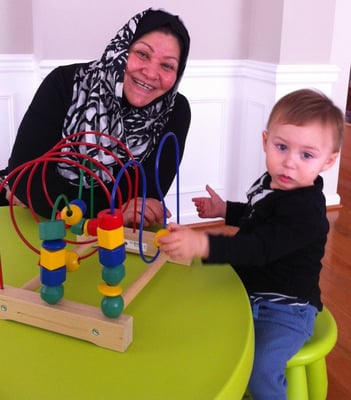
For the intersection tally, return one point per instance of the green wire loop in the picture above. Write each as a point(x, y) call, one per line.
point(54, 210)
point(80, 190)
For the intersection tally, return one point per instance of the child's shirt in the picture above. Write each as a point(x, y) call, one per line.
point(281, 240)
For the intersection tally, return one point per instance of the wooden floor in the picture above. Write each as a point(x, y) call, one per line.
point(336, 280)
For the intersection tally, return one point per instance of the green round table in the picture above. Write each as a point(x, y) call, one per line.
point(192, 336)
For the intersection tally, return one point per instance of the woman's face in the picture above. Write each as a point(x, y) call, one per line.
point(152, 67)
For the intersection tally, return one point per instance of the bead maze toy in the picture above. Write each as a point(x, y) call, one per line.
point(105, 234)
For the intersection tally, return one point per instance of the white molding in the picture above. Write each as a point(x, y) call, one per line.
point(6, 125)
point(15, 63)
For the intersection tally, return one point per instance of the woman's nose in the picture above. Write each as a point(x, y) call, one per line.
point(151, 71)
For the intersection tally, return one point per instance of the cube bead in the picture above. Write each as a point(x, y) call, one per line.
point(52, 230)
point(110, 239)
point(112, 258)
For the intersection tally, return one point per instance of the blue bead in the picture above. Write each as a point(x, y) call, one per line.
point(52, 278)
point(81, 204)
point(112, 258)
point(54, 245)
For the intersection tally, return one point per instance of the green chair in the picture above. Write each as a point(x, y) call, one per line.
point(306, 371)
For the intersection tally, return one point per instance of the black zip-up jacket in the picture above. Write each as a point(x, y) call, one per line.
point(280, 243)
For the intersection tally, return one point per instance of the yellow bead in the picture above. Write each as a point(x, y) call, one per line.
point(72, 216)
point(72, 261)
point(110, 239)
point(109, 291)
point(158, 234)
point(52, 260)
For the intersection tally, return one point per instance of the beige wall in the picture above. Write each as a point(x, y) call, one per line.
point(291, 31)
point(77, 29)
point(16, 33)
point(273, 31)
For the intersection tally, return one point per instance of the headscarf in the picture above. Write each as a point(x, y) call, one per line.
point(98, 104)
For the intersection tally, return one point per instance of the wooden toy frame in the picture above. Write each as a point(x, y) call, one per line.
point(78, 320)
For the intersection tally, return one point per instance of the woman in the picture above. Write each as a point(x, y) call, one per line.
point(130, 94)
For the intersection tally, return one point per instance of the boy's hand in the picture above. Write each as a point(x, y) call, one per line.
point(210, 207)
point(183, 243)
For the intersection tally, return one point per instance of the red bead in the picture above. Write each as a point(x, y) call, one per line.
point(109, 221)
point(90, 227)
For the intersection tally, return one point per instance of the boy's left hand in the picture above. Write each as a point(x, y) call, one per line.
point(183, 243)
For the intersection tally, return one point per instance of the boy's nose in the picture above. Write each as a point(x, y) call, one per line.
point(289, 161)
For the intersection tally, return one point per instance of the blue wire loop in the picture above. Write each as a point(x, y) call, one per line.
point(157, 180)
point(144, 187)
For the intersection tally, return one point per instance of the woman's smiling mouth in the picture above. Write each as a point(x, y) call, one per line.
point(143, 84)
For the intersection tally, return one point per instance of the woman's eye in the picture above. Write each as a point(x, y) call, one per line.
point(168, 67)
point(141, 54)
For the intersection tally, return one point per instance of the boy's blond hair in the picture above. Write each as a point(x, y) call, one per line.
point(305, 106)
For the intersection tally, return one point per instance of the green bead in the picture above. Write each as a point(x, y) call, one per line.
point(112, 307)
point(113, 275)
point(51, 294)
point(78, 229)
point(52, 230)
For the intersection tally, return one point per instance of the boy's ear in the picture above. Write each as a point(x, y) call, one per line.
point(264, 139)
point(331, 161)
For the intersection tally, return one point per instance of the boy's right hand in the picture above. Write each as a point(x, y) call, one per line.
point(210, 207)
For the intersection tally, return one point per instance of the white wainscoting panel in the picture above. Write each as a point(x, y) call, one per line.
point(7, 130)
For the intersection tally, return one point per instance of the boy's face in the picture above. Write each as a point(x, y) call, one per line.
point(295, 155)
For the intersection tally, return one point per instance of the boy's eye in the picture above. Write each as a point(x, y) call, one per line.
point(281, 147)
point(307, 156)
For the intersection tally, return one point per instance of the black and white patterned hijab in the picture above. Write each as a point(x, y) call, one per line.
point(98, 104)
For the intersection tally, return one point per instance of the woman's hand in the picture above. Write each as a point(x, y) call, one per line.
point(153, 213)
point(210, 207)
point(14, 200)
point(183, 243)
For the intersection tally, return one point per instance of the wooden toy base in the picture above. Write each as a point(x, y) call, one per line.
point(66, 317)
point(78, 320)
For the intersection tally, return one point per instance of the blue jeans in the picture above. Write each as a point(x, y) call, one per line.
point(280, 331)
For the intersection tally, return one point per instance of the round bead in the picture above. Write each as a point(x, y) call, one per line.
point(73, 215)
point(51, 294)
point(81, 204)
point(53, 245)
point(109, 221)
point(113, 276)
point(72, 261)
point(90, 227)
point(78, 229)
point(109, 291)
point(158, 234)
point(112, 307)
